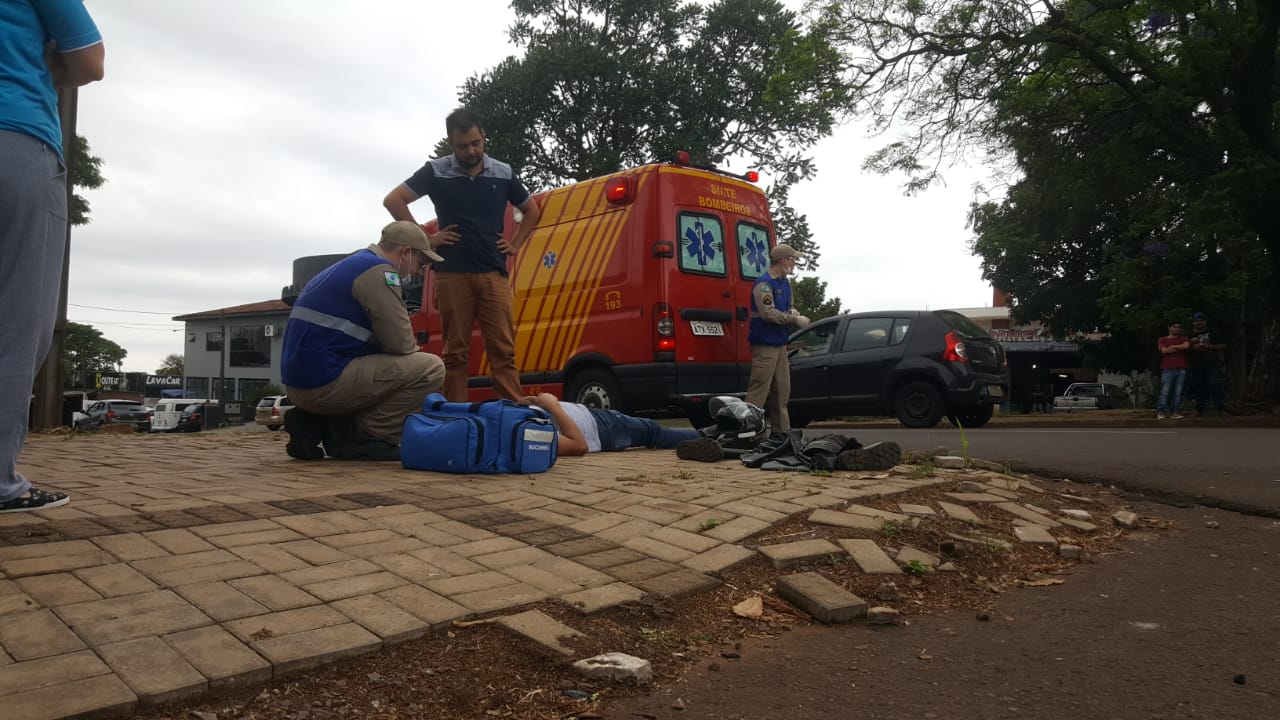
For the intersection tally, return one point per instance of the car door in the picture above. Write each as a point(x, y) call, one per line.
point(809, 352)
point(868, 351)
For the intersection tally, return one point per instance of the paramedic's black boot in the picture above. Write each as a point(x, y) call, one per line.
point(338, 431)
point(876, 456)
point(306, 432)
point(359, 445)
point(703, 449)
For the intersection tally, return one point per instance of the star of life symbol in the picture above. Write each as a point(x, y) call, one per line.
point(755, 250)
point(702, 244)
point(549, 260)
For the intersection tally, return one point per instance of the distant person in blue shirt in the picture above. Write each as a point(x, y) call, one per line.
point(44, 45)
point(471, 191)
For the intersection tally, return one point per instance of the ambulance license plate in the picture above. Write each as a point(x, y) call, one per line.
point(995, 391)
point(706, 327)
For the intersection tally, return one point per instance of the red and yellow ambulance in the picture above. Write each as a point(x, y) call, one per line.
point(633, 293)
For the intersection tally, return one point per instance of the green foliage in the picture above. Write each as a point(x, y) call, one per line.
point(708, 524)
point(915, 567)
point(809, 297)
point(171, 366)
point(608, 84)
point(86, 172)
point(86, 350)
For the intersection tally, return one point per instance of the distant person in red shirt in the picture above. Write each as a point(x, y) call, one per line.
point(1173, 372)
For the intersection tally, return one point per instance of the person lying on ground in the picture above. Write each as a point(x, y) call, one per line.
point(585, 429)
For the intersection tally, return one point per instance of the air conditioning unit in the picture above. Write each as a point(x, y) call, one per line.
point(269, 331)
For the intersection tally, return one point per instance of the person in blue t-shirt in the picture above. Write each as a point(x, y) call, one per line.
point(471, 191)
point(772, 318)
point(44, 45)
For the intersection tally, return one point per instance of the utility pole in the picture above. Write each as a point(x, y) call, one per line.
point(47, 404)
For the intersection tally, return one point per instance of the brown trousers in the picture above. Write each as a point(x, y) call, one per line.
point(377, 391)
point(465, 299)
point(770, 386)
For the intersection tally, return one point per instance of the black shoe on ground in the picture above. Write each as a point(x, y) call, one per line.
point(702, 449)
point(35, 500)
point(876, 456)
point(306, 432)
point(359, 445)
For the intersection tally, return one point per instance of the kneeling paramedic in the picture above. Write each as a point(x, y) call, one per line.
point(349, 361)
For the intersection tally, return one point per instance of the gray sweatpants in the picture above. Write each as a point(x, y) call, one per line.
point(33, 235)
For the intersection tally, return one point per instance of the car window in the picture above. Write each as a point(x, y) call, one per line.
point(814, 341)
point(901, 327)
point(285, 401)
point(191, 408)
point(753, 250)
point(961, 324)
point(866, 333)
point(701, 244)
point(267, 402)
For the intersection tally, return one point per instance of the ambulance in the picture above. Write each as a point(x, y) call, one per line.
point(634, 291)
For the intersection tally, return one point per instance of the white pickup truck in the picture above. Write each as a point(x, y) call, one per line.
point(1089, 396)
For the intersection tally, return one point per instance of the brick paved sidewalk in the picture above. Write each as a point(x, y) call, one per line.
point(191, 563)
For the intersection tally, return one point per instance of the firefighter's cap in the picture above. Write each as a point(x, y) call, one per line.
point(403, 232)
point(780, 252)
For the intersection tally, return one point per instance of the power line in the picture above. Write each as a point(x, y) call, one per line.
point(140, 312)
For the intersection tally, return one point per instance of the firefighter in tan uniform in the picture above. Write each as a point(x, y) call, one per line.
point(772, 319)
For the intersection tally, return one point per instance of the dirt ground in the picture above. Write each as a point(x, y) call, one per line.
point(482, 671)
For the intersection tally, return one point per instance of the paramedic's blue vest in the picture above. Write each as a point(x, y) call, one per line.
point(327, 328)
point(767, 333)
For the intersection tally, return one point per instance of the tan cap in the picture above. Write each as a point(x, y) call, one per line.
point(403, 232)
point(783, 251)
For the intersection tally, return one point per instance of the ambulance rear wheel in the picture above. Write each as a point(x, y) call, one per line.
point(595, 387)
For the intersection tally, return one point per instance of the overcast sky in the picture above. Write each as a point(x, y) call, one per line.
point(241, 134)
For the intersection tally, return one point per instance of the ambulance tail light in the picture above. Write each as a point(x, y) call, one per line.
point(619, 191)
point(664, 329)
point(955, 350)
point(664, 249)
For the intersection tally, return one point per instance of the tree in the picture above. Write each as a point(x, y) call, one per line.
point(1144, 150)
point(171, 366)
point(86, 350)
point(86, 172)
point(608, 84)
point(809, 297)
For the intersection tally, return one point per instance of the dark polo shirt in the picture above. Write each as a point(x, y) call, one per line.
point(477, 205)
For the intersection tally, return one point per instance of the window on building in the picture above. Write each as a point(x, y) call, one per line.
point(198, 387)
point(250, 386)
point(213, 341)
point(250, 347)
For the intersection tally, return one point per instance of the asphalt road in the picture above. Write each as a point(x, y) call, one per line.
point(1232, 468)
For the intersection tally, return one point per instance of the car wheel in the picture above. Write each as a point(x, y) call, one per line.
point(594, 387)
point(918, 404)
point(273, 428)
point(971, 418)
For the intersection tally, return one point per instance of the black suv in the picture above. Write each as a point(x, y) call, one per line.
point(920, 366)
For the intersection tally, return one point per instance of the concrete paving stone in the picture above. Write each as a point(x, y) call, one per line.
point(906, 554)
point(1029, 515)
point(425, 605)
point(36, 634)
point(409, 567)
point(57, 589)
point(640, 569)
point(818, 500)
point(573, 571)
point(499, 598)
point(970, 498)
point(784, 494)
point(469, 583)
point(179, 541)
point(742, 507)
point(591, 499)
point(331, 571)
point(550, 536)
point(314, 553)
point(54, 670)
point(960, 512)
point(572, 510)
point(869, 557)
point(595, 599)
point(836, 518)
point(989, 543)
point(382, 617)
point(265, 537)
point(130, 546)
point(270, 558)
point(226, 662)
point(152, 567)
point(115, 580)
point(691, 541)
point(273, 593)
point(283, 623)
point(678, 583)
point(550, 583)
point(99, 696)
point(657, 549)
point(702, 521)
point(600, 522)
point(652, 514)
point(826, 601)
point(385, 511)
point(785, 555)
point(346, 541)
point(433, 536)
point(17, 602)
point(244, 527)
point(338, 588)
point(294, 653)
point(1081, 525)
point(523, 555)
point(55, 563)
point(154, 671)
point(154, 622)
point(321, 524)
point(550, 517)
point(28, 552)
point(448, 561)
point(1034, 535)
point(221, 601)
point(876, 513)
point(464, 531)
point(542, 629)
point(787, 509)
point(580, 546)
point(406, 521)
point(398, 545)
point(738, 529)
point(1002, 492)
point(207, 573)
point(718, 559)
point(627, 530)
point(911, 510)
point(616, 503)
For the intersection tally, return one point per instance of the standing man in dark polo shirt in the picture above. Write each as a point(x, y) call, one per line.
point(470, 191)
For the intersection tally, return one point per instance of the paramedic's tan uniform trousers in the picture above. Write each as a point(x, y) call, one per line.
point(770, 386)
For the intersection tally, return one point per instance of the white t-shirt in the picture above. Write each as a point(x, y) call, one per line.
point(581, 417)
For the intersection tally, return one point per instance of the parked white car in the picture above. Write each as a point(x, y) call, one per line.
point(270, 411)
point(1089, 396)
point(168, 415)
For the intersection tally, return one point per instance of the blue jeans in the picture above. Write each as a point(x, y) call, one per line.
point(1170, 397)
point(619, 432)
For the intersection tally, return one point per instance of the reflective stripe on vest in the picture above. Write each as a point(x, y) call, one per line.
point(346, 327)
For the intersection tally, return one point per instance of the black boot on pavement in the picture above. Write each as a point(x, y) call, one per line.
point(306, 432)
point(703, 449)
point(876, 456)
